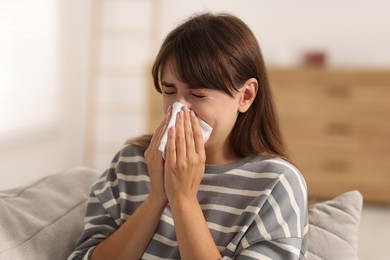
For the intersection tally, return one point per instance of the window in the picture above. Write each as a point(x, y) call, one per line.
point(29, 67)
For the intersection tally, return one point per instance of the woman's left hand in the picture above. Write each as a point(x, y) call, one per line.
point(183, 171)
point(185, 158)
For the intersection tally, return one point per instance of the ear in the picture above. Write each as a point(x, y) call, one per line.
point(248, 94)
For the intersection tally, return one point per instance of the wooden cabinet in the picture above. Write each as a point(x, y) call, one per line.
point(337, 127)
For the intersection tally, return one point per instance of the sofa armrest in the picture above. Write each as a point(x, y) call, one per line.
point(43, 220)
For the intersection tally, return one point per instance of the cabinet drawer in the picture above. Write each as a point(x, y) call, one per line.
point(334, 128)
point(309, 112)
point(330, 170)
point(327, 99)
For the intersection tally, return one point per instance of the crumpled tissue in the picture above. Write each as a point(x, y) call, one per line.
point(176, 108)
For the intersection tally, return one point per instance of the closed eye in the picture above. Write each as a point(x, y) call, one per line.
point(168, 93)
point(199, 93)
point(168, 90)
point(198, 96)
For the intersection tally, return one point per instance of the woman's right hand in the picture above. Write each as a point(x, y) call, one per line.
point(155, 162)
point(133, 236)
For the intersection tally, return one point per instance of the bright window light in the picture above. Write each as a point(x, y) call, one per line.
point(29, 66)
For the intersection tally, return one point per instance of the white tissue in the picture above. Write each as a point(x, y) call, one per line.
point(176, 107)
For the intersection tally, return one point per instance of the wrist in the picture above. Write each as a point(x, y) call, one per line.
point(158, 201)
point(183, 202)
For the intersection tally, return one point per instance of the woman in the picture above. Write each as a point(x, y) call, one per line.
point(235, 196)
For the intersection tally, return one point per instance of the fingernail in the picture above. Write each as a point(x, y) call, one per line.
point(192, 113)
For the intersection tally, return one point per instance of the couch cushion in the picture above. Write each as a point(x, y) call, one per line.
point(334, 226)
point(44, 219)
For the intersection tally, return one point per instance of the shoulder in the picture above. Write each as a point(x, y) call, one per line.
point(127, 156)
point(129, 151)
point(289, 193)
point(287, 197)
point(272, 164)
point(280, 175)
point(129, 160)
point(110, 192)
point(279, 167)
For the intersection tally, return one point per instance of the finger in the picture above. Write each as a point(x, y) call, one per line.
point(198, 135)
point(158, 134)
point(180, 136)
point(170, 152)
point(189, 136)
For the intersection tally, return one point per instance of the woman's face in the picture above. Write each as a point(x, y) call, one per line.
point(215, 107)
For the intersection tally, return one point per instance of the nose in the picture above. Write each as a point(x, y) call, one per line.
point(184, 101)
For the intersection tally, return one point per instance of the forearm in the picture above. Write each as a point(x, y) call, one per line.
point(132, 238)
point(193, 236)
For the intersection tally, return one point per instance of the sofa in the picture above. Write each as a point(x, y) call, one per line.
point(42, 220)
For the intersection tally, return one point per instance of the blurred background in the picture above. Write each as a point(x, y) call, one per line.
point(75, 84)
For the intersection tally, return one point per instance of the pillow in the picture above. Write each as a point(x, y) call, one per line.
point(44, 219)
point(334, 226)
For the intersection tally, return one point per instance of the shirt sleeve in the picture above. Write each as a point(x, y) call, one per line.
point(102, 215)
point(279, 230)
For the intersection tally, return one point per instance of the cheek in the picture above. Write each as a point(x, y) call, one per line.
point(203, 113)
point(223, 120)
point(211, 114)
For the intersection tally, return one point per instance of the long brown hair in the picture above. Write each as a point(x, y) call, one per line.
point(219, 51)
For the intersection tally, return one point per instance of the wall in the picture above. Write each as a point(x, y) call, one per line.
point(41, 153)
point(117, 87)
point(353, 33)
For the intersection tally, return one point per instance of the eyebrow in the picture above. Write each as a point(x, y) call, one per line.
point(167, 84)
point(172, 85)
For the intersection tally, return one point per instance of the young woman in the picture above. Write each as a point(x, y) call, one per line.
point(235, 196)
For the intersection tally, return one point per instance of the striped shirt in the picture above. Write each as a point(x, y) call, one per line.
point(255, 208)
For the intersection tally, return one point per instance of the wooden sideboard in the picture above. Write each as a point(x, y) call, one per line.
point(337, 126)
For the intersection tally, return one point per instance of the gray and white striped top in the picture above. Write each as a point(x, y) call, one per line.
point(255, 208)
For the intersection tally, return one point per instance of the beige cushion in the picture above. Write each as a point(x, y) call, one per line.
point(334, 226)
point(44, 219)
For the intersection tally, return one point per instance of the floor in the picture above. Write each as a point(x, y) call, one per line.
point(374, 233)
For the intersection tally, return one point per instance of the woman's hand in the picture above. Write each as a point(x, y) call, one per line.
point(185, 158)
point(184, 169)
point(155, 162)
